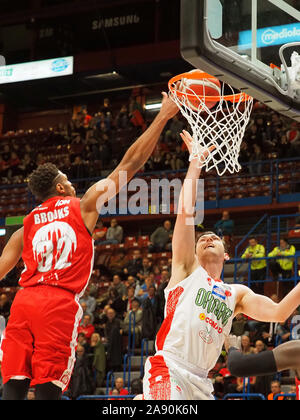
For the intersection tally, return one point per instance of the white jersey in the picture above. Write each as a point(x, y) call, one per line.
point(198, 315)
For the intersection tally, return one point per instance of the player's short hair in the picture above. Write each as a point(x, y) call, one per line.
point(213, 233)
point(41, 181)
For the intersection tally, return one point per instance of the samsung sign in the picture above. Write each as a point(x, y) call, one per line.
point(267, 37)
point(35, 70)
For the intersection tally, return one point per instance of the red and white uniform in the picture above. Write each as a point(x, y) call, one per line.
point(41, 335)
point(198, 316)
point(297, 383)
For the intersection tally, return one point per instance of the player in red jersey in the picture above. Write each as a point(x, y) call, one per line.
point(38, 344)
point(286, 356)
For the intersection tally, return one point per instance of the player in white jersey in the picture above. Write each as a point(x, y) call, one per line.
point(199, 308)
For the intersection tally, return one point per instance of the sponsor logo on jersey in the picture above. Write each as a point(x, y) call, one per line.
point(211, 322)
point(205, 336)
point(212, 304)
point(218, 291)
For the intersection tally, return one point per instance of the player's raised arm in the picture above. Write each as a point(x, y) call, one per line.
point(11, 253)
point(264, 309)
point(183, 243)
point(133, 160)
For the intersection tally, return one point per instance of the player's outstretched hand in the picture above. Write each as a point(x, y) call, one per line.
point(202, 153)
point(169, 108)
point(232, 341)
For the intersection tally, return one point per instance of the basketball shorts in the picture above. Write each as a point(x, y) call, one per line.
point(40, 337)
point(167, 379)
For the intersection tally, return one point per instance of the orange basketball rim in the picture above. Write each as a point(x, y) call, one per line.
point(199, 75)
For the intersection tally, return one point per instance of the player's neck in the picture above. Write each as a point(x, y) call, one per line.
point(213, 269)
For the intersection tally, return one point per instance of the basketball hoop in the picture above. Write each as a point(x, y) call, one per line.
point(216, 120)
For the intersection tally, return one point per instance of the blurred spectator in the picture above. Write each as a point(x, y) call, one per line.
point(172, 134)
point(275, 390)
point(282, 266)
point(119, 386)
point(246, 345)
point(30, 394)
point(86, 327)
point(97, 350)
point(161, 238)
point(145, 270)
point(122, 119)
point(114, 392)
point(239, 325)
point(129, 299)
point(5, 305)
point(258, 267)
point(81, 382)
point(118, 262)
point(89, 300)
point(134, 264)
point(283, 332)
point(118, 285)
point(86, 311)
point(297, 221)
point(114, 341)
point(114, 234)
point(99, 234)
point(83, 342)
point(224, 226)
point(256, 156)
point(150, 318)
point(137, 314)
point(259, 346)
point(116, 302)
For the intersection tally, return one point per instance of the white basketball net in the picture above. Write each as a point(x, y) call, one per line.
point(222, 126)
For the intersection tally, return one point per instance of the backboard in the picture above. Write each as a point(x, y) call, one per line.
point(248, 44)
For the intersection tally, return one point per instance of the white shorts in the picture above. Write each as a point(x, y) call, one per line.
point(166, 379)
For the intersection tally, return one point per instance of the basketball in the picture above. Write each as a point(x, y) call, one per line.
point(200, 87)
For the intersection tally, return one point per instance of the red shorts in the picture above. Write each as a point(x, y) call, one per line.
point(41, 335)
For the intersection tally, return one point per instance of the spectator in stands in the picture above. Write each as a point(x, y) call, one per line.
point(256, 156)
point(258, 267)
point(118, 285)
point(79, 168)
point(114, 234)
point(141, 288)
point(81, 382)
point(82, 341)
point(5, 305)
point(97, 349)
point(161, 238)
point(119, 386)
point(224, 226)
point(86, 311)
point(178, 160)
point(282, 267)
point(122, 119)
point(30, 394)
point(136, 312)
point(239, 325)
point(117, 263)
point(116, 302)
point(114, 392)
point(293, 136)
point(99, 234)
point(130, 282)
point(283, 332)
point(134, 264)
point(263, 383)
point(156, 161)
point(145, 270)
point(86, 327)
point(246, 345)
point(130, 297)
point(275, 391)
point(172, 134)
point(89, 300)
point(114, 341)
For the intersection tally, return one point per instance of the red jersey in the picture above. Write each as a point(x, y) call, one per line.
point(58, 249)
